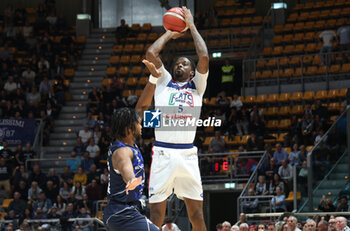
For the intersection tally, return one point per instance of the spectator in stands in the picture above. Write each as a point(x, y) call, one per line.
point(261, 227)
point(234, 228)
point(83, 225)
point(93, 149)
point(5, 174)
point(85, 134)
point(50, 191)
point(217, 144)
point(250, 205)
point(226, 226)
point(227, 76)
point(292, 223)
point(91, 122)
point(65, 191)
point(97, 134)
point(4, 54)
point(343, 33)
point(132, 99)
point(5, 152)
point(43, 66)
point(33, 97)
point(271, 169)
point(261, 187)
point(70, 213)
point(54, 178)
point(326, 205)
point(286, 172)
point(341, 224)
point(293, 156)
point(307, 127)
point(302, 176)
point(79, 148)
point(122, 31)
point(27, 29)
point(73, 162)
point(321, 111)
point(11, 86)
point(43, 203)
point(80, 177)
point(86, 162)
point(222, 101)
point(343, 204)
point(67, 175)
point(104, 179)
point(254, 143)
point(327, 37)
point(271, 227)
point(242, 219)
point(37, 176)
point(280, 154)
point(93, 174)
point(22, 188)
point(311, 225)
point(278, 201)
point(332, 224)
point(17, 205)
point(59, 205)
point(78, 189)
point(94, 100)
point(322, 226)
point(85, 203)
point(243, 227)
point(242, 122)
point(236, 103)
point(276, 182)
point(94, 192)
point(218, 227)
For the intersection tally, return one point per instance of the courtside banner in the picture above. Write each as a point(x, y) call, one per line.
point(16, 131)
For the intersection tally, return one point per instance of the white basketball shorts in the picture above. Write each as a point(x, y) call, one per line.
point(174, 170)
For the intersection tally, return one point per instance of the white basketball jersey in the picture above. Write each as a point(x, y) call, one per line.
point(175, 99)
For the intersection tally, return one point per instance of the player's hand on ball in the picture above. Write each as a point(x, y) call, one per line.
point(132, 184)
point(188, 16)
point(156, 73)
point(175, 34)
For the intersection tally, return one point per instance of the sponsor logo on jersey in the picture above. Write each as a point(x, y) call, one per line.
point(181, 98)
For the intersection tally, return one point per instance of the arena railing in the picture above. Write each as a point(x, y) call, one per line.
point(38, 140)
point(96, 223)
point(332, 146)
point(226, 167)
point(49, 163)
point(256, 217)
point(250, 79)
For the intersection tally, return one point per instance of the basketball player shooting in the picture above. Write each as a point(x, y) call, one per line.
point(174, 160)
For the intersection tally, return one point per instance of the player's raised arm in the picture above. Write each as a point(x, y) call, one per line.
point(201, 47)
point(154, 50)
point(146, 97)
point(121, 160)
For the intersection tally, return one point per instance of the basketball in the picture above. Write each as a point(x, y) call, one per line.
point(174, 20)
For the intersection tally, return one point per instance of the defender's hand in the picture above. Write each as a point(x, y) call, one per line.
point(152, 68)
point(132, 184)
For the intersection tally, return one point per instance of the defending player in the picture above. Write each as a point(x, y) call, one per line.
point(126, 175)
point(175, 160)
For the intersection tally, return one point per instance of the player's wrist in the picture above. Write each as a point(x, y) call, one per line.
point(152, 79)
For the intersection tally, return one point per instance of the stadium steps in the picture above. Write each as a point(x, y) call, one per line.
point(332, 185)
point(89, 73)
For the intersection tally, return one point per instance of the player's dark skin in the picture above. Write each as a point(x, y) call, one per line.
point(182, 72)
